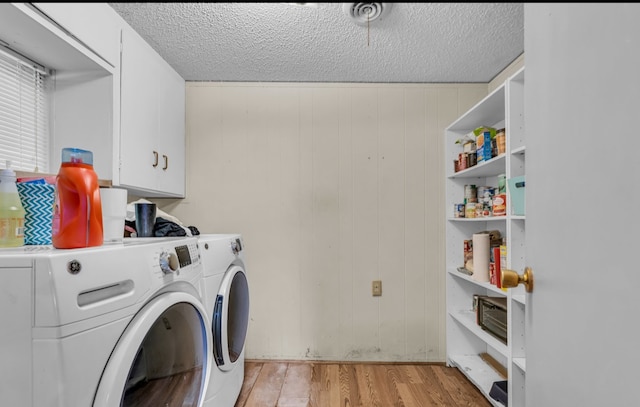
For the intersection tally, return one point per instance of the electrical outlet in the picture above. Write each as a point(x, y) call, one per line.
point(376, 288)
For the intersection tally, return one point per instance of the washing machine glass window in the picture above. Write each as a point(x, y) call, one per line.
point(162, 358)
point(238, 316)
point(232, 302)
point(168, 368)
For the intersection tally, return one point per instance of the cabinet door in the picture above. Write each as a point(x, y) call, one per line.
point(138, 113)
point(96, 25)
point(152, 135)
point(171, 136)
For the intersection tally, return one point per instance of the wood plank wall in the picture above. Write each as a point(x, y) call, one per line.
point(332, 186)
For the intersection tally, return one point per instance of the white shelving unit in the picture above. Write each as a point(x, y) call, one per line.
point(466, 341)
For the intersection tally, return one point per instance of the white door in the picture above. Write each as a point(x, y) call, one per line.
point(582, 107)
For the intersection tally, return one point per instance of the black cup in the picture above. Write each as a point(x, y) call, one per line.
point(145, 219)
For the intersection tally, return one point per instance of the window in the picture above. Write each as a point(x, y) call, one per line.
point(24, 113)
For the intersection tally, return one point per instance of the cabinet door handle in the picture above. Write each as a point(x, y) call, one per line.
point(166, 162)
point(155, 159)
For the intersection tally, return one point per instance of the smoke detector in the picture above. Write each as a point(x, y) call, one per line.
point(366, 13)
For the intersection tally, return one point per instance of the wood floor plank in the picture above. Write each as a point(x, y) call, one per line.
point(426, 386)
point(450, 379)
point(347, 384)
point(315, 390)
point(251, 372)
point(349, 388)
point(367, 385)
point(438, 396)
point(295, 389)
point(363, 385)
point(326, 385)
point(297, 383)
point(294, 402)
point(386, 378)
point(412, 374)
point(410, 386)
point(413, 395)
point(332, 387)
point(266, 390)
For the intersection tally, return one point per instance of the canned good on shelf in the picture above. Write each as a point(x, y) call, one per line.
point(470, 193)
point(500, 205)
point(470, 210)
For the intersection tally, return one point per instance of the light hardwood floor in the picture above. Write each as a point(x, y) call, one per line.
point(327, 384)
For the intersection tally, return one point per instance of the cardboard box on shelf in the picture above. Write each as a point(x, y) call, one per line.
point(483, 142)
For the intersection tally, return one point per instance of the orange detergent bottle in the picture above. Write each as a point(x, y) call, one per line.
point(77, 212)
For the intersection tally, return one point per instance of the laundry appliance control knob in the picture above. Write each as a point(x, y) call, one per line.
point(168, 262)
point(236, 246)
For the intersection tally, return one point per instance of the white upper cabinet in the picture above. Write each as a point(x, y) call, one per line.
point(114, 94)
point(152, 138)
point(85, 96)
point(96, 25)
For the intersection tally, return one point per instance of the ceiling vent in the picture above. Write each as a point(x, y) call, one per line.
point(366, 13)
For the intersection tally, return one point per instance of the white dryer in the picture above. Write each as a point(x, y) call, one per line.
point(226, 298)
point(116, 325)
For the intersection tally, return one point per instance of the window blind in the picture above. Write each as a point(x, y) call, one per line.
point(24, 114)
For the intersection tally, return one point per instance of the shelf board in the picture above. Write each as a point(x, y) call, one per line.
point(518, 76)
point(521, 363)
point(483, 219)
point(486, 112)
point(467, 319)
point(494, 166)
point(518, 217)
point(479, 373)
point(519, 151)
point(519, 298)
point(469, 278)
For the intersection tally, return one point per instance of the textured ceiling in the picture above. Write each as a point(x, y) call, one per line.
point(286, 42)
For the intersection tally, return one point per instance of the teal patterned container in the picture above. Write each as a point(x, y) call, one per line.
point(37, 200)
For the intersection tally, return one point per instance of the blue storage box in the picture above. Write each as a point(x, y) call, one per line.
point(516, 195)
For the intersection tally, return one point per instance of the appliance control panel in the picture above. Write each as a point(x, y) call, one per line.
point(181, 257)
point(184, 256)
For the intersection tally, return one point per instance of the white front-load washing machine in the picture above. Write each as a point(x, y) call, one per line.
point(226, 298)
point(115, 325)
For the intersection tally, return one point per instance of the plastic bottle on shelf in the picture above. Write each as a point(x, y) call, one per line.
point(77, 215)
point(11, 210)
point(502, 184)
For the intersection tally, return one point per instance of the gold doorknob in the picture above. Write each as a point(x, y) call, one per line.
point(510, 279)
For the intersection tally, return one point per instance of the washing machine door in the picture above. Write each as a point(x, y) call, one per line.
point(230, 318)
point(162, 358)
